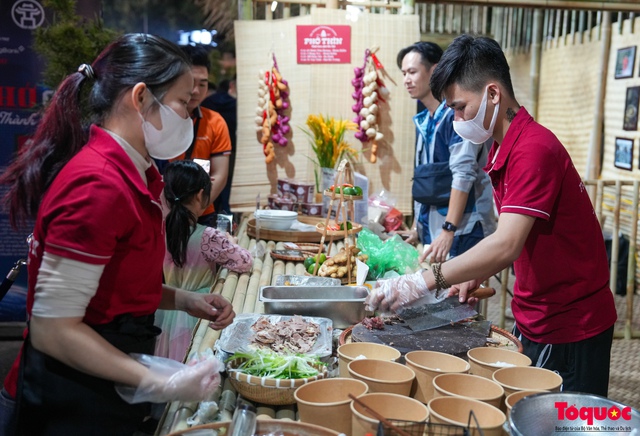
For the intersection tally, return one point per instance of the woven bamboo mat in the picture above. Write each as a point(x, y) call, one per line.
point(624, 378)
point(322, 89)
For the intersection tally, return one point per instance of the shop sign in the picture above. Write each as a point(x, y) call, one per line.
point(324, 44)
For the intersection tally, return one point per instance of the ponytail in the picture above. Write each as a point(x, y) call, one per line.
point(183, 179)
point(63, 130)
point(180, 225)
point(59, 136)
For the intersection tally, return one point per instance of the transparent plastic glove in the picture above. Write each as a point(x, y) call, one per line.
point(207, 411)
point(394, 294)
point(170, 380)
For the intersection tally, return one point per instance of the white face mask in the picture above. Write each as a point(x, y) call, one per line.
point(173, 138)
point(473, 130)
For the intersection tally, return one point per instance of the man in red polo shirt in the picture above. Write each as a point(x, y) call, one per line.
point(562, 303)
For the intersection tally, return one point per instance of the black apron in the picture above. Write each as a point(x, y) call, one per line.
point(55, 399)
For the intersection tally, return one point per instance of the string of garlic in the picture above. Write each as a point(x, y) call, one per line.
point(272, 122)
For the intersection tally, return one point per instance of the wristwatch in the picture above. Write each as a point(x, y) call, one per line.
point(447, 226)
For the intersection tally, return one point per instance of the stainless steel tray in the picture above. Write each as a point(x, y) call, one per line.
point(305, 281)
point(344, 305)
point(238, 335)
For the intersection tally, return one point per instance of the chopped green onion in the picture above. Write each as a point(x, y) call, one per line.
point(266, 363)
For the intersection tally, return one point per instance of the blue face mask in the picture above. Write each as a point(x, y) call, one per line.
point(173, 138)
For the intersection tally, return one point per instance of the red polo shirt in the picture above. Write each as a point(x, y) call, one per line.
point(561, 293)
point(99, 211)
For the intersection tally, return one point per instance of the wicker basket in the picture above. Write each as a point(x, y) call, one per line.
point(276, 392)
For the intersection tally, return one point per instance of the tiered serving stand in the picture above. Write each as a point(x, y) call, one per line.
point(344, 214)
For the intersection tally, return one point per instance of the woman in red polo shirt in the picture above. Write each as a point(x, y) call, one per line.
point(95, 263)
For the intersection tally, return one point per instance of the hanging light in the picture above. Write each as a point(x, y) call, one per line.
point(274, 5)
point(198, 36)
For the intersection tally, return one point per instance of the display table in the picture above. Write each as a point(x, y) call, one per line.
point(242, 290)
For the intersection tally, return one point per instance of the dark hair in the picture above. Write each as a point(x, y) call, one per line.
point(223, 86)
point(429, 51)
point(183, 179)
point(63, 130)
point(198, 55)
point(471, 62)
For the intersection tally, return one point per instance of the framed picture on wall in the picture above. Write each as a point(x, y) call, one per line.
point(631, 108)
point(624, 154)
point(625, 61)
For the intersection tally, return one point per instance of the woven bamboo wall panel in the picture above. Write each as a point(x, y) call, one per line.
point(613, 122)
point(322, 89)
point(568, 82)
point(520, 66)
point(255, 41)
point(615, 104)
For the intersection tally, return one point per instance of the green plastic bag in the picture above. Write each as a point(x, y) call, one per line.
point(394, 254)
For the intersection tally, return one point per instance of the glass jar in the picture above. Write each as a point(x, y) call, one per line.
point(244, 421)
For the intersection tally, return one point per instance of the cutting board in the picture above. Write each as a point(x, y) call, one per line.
point(454, 339)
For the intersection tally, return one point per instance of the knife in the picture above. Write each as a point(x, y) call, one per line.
point(447, 311)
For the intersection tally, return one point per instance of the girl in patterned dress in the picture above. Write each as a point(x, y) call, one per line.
point(193, 251)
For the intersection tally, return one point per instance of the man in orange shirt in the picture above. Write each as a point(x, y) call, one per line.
point(211, 141)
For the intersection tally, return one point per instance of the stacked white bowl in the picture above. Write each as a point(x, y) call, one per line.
point(276, 219)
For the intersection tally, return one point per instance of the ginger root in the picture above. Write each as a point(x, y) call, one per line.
point(342, 271)
point(336, 266)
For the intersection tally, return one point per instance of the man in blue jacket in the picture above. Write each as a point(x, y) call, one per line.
point(451, 229)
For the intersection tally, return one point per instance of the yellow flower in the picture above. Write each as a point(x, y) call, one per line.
point(326, 136)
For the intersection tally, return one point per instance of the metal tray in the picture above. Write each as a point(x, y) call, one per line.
point(238, 335)
point(344, 305)
point(305, 281)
